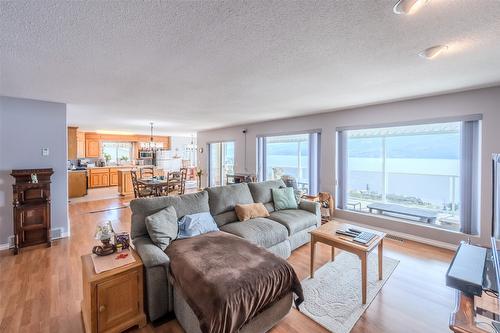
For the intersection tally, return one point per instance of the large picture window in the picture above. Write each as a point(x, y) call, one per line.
point(424, 172)
point(290, 155)
point(221, 162)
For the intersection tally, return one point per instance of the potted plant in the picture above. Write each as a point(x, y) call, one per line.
point(124, 159)
point(107, 158)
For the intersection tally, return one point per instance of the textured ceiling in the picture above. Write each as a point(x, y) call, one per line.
point(192, 65)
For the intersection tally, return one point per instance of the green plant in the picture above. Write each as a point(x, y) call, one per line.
point(124, 158)
point(107, 157)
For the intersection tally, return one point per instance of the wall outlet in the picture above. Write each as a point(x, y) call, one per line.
point(45, 151)
point(11, 242)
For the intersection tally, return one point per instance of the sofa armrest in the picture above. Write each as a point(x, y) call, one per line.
point(151, 255)
point(312, 207)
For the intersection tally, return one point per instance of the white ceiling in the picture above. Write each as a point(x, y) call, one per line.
point(193, 65)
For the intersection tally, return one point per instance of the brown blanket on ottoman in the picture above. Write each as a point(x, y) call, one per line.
point(227, 280)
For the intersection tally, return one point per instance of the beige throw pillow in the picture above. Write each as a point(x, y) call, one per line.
point(250, 211)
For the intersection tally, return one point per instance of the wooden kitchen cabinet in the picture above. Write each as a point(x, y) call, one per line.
point(113, 301)
point(98, 177)
point(77, 183)
point(92, 148)
point(125, 186)
point(113, 177)
point(80, 144)
point(72, 143)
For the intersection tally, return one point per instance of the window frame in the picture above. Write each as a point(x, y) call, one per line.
point(314, 155)
point(471, 184)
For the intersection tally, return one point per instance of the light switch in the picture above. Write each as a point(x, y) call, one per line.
point(45, 151)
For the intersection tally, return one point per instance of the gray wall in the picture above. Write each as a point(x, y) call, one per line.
point(485, 101)
point(27, 126)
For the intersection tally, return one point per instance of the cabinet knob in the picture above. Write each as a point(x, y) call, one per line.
point(102, 308)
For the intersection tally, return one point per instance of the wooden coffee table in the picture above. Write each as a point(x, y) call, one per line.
point(326, 235)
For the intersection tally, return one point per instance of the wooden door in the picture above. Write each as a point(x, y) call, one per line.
point(105, 179)
point(72, 143)
point(118, 300)
point(80, 144)
point(113, 177)
point(92, 148)
point(95, 179)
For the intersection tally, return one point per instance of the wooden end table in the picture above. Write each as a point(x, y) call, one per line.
point(112, 300)
point(326, 235)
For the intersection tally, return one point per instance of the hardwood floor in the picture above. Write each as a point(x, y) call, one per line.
point(41, 288)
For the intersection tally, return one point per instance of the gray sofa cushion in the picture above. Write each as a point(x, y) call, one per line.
point(260, 231)
point(184, 204)
point(163, 227)
point(261, 192)
point(294, 220)
point(222, 199)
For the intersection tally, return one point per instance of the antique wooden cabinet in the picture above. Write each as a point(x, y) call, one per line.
point(31, 201)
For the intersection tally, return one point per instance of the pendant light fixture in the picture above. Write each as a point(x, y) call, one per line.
point(408, 7)
point(433, 51)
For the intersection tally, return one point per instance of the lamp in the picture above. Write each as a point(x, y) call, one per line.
point(408, 7)
point(433, 51)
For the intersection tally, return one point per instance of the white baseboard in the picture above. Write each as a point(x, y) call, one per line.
point(7, 246)
point(403, 235)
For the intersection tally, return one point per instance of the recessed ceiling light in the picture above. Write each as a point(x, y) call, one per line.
point(408, 7)
point(433, 51)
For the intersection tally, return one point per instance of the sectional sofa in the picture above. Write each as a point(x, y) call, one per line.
point(280, 233)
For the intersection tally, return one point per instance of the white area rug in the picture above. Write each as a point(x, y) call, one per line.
point(333, 297)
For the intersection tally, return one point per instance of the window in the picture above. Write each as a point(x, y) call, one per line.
point(221, 162)
point(290, 155)
point(118, 152)
point(424, 172)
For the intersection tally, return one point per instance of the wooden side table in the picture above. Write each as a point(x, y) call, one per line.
point(326, 235)
point(113, 301)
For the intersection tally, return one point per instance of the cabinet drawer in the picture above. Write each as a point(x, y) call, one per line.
point(118, 300)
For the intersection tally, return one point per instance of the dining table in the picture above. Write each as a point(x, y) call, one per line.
point(157, 185)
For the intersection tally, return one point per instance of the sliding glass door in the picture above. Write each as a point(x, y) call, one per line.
point(291, 156)
point(221, 162)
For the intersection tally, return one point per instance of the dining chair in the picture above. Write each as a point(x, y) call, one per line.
point(146, 172)
point(184, 172)
point(140, 191)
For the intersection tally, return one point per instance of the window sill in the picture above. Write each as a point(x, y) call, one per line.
point(410, 230)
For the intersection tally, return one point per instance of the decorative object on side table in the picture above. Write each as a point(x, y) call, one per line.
point(123, 239)
point(104, 234)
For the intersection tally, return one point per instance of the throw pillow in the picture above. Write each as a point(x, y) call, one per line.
point(284, 198)
point(250, 211)
point(162, 227)
point(196, 224)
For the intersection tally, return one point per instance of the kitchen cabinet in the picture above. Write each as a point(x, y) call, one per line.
point(92, 148)
point(80, 144)
point(98, 177)
point(113, 177)
point(72, 143)
point(125, 186)
point(77, 183)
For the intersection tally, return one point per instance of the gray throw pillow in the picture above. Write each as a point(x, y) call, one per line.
point(284, 198)
point(163, 227)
